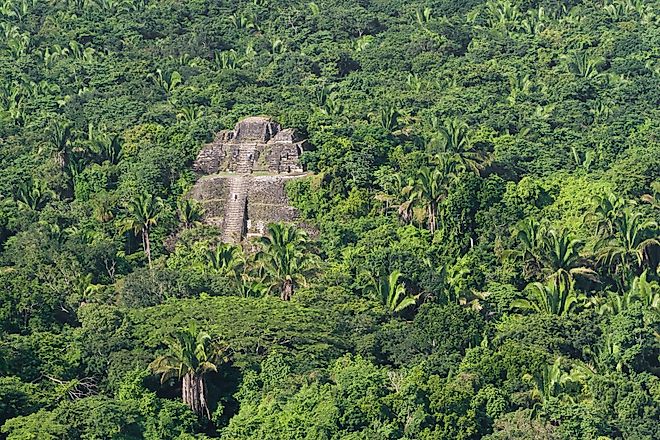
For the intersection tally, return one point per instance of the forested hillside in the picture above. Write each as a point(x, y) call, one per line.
point(484, 179)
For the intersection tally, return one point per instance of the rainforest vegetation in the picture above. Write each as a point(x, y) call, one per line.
point(484, 186)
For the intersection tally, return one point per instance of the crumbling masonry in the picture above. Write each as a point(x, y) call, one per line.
point(247, 169)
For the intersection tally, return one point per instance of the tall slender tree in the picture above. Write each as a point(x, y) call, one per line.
point(192, 354)
point(429, 189)
point(285, 259)
point(142, 212)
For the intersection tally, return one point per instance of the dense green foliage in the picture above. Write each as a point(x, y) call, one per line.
point(486, 190)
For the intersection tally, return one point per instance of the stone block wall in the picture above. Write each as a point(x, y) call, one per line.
point(212, 194)
point(267, 201)
point(256, 144)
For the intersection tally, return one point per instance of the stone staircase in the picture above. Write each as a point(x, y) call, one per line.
point(246, 159)
point(234, 220)
point(234, 225)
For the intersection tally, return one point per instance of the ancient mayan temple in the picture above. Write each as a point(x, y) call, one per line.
point(245, 171)
point(256, 144)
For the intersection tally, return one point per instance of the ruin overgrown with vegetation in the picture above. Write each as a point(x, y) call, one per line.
point(466, 245)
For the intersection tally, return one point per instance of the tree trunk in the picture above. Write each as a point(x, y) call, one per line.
point(147, 245)
point(194, 394)
point(287, 290)
point(431, 214)
point(61, 158)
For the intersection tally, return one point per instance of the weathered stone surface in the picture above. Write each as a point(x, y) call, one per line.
point(268, 203)
point(257, 144)
point(263, 198)
point(256, 129)
point(212, 195)
point(238, 201)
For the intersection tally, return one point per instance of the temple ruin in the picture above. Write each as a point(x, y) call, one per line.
point(245, 171)
point(256, 144)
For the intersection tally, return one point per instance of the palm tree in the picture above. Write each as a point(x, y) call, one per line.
point(33, 194)
point(634, 243)
point(641, 291)
point(60, 139)
point(284, 258)
point(332, 105)
point(142, 214)
point(423, 16)
point(553, 253)
point(166, 81)
point(404, 188)
point(229, 261)
point(190, 212)
point(547, 381)
point(552, 381)
point(583, 65)
point(529, 234)
point(456, 289)
point(555, 297)
point(110, 149)
point(391, 292)
point(103, 146)
point(190, 113)
point(614, 303)
point(225, 259)
point(454, 141)
point(388, 118)
point(561, 257)
point(607, 212)
point(192, 354)
point(248, 287)
point(503, 15)
point(604, 355)
point(225, 60)
point(585, 161)
point(429, 189)
point(647, 292)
